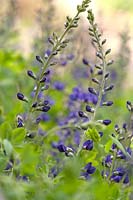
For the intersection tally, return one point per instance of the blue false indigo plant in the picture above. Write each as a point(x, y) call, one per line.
point(58, 43)
point(76, 152)
point(86, 122)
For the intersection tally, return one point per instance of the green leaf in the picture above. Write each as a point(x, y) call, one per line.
point(7, 147)
point(108, 146)
point(93, 134)
point(119, 145)
point(3, 161)
point(29, 159)
point(5, 130)
point(18, 135)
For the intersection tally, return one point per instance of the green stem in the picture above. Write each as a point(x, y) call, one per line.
point(38, 84)
point(101, 90)
point(130, 132)
point(112, 166)
point(49, 59)
point(56, 128)
point(80, 145)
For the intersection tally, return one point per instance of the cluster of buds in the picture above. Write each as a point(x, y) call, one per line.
point(117, 170)
point(100, 75)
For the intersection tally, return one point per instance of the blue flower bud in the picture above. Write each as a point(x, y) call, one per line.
point(108, 103)
point(129, 106)
point(47, 72)
point(107, 161)
point(95, 81)
point(100, 133)
point(92, 90)
point(46, 102)
point(45, 108)
point(82, 114)
point(88, 145)
point(43, 80)
point(125, 126)
point(106, 75)
point(19, 121)
point(126, 179)
point(31, 74)
point(21, 97)
point(109, 88)
point(85, 61)
point(34, 105)
point(89, 168)
point(106, 122)
point(90, 109)
point(45, 87)
point(39, 59)
point(61, 148)
point(100, 72)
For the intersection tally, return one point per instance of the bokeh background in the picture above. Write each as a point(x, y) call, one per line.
point(24, 30)
point(22, 21)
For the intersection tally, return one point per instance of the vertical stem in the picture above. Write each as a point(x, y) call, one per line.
point(101, 89)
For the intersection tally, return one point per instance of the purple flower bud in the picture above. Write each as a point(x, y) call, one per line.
point(47, 53)
point(99, 55)
point(108, 103)
point(109, 88)
point(106, 75)
point(45, 108)
point(92, 90)
point(39, 59)
point(129, 106)
point(107, 161)
point(110, 62)
point(47, 72)
point(120, 154)
point(116, 178)
point(95, 81)
point(88, 145)
point(20, 124)
point(85, 61)
point(126, 179)
point(113, 147)
point(100, 72)
point(46, 102)
point(34, 105)
point(108, 51)
point(89, 109)
point(61, 148)
point(9, 166)
point(98, 66)
point(19, 121)
point(100, 133)
point(117, 129)
point(125, 126)
point(89, 168)
point(50, 40)
point(45, 87)
point(38, 119)
point(106, 122)
point(82, 114)
point(21, 97)
point(31, 74)
point(43, 80)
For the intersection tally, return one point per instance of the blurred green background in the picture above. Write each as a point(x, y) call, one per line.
point(26, 25)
